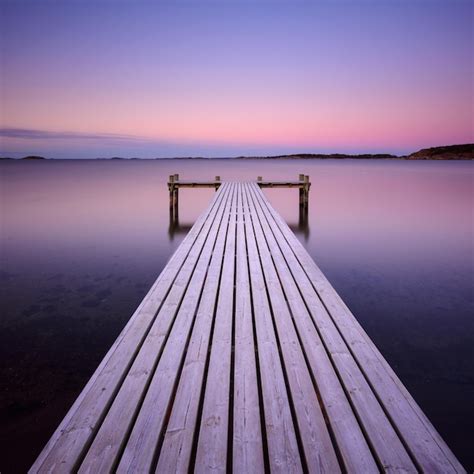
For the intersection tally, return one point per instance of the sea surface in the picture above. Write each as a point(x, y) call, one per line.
point(83, 241)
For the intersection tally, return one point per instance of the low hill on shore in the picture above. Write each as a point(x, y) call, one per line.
point(321, 156)
point(453, 152)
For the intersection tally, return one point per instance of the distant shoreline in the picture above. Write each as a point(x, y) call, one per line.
point(443, 153)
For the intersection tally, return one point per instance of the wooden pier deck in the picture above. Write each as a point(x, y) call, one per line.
point(243, 358)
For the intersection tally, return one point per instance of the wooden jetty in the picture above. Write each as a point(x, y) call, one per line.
point(174, 184)
point(243, 358)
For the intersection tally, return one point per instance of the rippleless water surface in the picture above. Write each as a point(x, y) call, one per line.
point(82, 242)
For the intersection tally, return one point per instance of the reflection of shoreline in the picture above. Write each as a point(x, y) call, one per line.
point(175, 228)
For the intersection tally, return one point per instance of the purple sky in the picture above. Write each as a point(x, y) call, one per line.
point(92, 79)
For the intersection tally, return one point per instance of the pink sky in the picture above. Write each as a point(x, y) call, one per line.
point(221, 81)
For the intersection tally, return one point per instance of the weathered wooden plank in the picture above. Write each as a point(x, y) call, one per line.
point(319, 452)
point(211, 454)
point(197, 184)
point(280, 184)
point(354, 450)
point(247, 443)
point(425, 445)
point(178, 440)
point(139, 452)
point(283, 452)
point(69, 442)
point(213, 184)
point(112, 434)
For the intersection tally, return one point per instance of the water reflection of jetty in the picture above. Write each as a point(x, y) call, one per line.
point(242, 357)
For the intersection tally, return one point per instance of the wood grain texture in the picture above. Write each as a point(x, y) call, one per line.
point(139, 452)
point(354, 450)
point(214, 427)
point(110, 437)
point(283, 451)
point(70, 440)
point(178, 440)
point(318, 450)
point(423, 442)
point(247, 451)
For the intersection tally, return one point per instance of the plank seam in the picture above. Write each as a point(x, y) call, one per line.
point(183, 355)
point(178, 454)
point(330, 357)
point(382, 405)
point(230, 426)
point(214, 429)
point(297, 331)
point(201, 222)
point(282, 363)
point(158, 355)
point(266, 458)
point(93, 435)
point(192, 459)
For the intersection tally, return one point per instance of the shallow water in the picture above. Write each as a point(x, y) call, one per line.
point(82, 241)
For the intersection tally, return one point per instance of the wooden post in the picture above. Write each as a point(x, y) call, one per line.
point(301, 192)
point(174, 189)
point(259, 178)
point(217, 179)
point(171, 189)
point(176, 196)
point(306, 193)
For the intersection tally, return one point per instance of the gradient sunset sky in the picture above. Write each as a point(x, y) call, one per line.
point(86, 79)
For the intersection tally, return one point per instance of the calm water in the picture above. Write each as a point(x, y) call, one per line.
point(81, 243)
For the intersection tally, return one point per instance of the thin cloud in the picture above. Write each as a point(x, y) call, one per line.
point(34, 134)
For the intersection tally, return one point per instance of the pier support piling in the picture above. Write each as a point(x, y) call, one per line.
point(304, 195)
point(171, 190)
point(174, 190)
point(302, 184)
